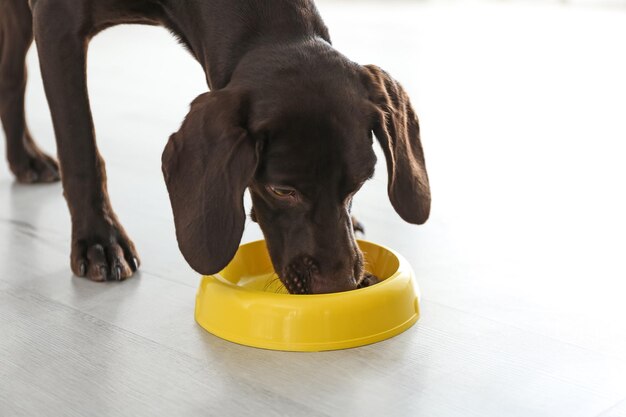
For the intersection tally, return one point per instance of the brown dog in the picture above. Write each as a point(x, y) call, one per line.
point(288, 117)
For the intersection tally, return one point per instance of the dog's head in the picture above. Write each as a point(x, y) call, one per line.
point(303, 151)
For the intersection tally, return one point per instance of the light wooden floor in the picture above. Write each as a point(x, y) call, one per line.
point(522, 264)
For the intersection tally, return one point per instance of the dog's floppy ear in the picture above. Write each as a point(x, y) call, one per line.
point(207, 166)
point(397, 130)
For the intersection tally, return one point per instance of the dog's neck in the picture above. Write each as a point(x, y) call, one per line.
point(220, 33)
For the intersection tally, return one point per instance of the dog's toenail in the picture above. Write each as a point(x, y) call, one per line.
point(118, 273)
point(103, 273)
point(82, 269)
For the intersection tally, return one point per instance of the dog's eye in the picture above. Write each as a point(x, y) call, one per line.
point(282, 191)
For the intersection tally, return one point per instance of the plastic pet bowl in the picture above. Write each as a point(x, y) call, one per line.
point(247, 304)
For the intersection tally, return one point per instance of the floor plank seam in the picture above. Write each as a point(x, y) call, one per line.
point(565, 342)
point(96, 320)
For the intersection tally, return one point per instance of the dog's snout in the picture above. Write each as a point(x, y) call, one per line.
point(298, 275)
point(305, 275)
point(334, 284)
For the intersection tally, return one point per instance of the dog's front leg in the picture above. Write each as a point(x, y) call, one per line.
point(100, 249)
point(26, 160)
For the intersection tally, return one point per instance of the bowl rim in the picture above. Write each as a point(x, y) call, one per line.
point(403, 267)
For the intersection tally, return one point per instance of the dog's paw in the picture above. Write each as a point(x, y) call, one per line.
point(35, 166)
point(106, 255)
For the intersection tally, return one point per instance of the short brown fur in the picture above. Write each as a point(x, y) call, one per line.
point(285, 110)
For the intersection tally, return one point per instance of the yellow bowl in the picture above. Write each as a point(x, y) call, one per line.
point(247, 304)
